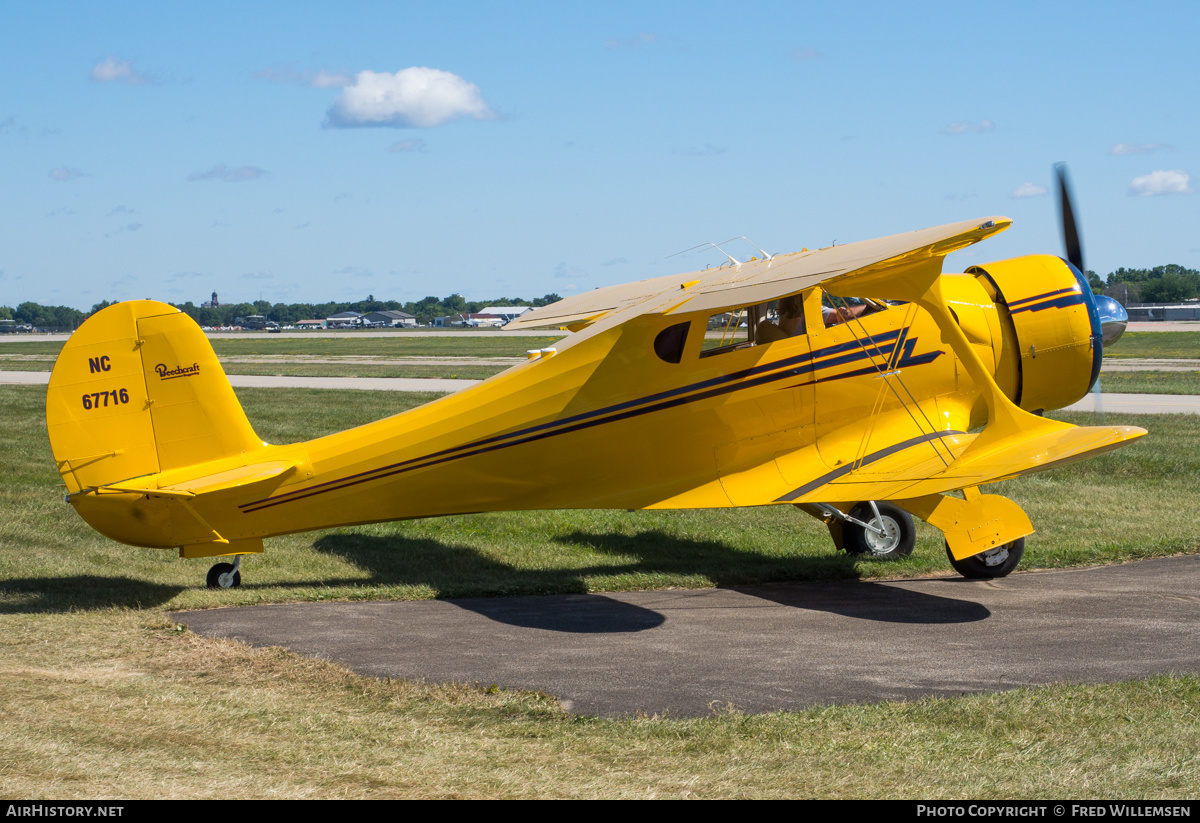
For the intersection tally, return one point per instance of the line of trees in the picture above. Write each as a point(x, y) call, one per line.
point(59, 318)
point(64, 318)
point(1161, 284)
point(286, 313)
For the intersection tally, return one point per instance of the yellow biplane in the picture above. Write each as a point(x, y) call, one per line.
point(930, 386)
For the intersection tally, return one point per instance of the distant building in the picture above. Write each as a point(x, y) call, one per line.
point(211, 304)
point(343, 318)
point(472, 320)
point(509, 313)
point(310, 324)
point(254, 321)
point(389, 318)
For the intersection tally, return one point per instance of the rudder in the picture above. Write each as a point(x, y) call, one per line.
point(138, 390)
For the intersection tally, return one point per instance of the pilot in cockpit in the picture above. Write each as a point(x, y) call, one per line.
point(791, 313)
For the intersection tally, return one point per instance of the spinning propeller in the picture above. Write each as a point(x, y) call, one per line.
point(1113, 316)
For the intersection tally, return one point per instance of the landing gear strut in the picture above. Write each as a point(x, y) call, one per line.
point(874, 528)
point(881, 530)
point(226, 575)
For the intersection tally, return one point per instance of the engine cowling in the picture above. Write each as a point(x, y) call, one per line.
point(1052, 333)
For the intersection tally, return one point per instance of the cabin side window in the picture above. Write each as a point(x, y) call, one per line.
point(669, 343)
point(741, 328)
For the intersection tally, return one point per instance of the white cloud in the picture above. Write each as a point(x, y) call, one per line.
point(413, 144)
point(645, 38)
point(112, 70)
point(1027, 190)
point(1138, 148)
point(800, 55)
point(227, 175)
point(416, 97)
point(1175, 181)
point(64, 173)
point(965, 127)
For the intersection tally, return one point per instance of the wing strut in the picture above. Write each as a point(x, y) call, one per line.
point(921, 283)
point(887, 371)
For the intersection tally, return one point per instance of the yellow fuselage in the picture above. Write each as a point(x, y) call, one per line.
point(604, 421)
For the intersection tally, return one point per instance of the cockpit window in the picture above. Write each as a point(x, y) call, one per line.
point(835, 309)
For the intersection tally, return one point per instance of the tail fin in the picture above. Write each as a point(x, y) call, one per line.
point(138, 390)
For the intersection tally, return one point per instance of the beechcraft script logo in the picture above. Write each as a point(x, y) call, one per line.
point(179, 371)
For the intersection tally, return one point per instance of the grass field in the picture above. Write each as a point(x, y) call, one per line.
point(1151, 382)
point(349, 345)
point(104, 697)
point(1184, 344)
point(38, 356)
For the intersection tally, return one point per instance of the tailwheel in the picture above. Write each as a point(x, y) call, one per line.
point(225, 575)
point(879, 529)
point(990, 564)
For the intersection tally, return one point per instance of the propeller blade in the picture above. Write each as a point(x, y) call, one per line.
point(1070, 230)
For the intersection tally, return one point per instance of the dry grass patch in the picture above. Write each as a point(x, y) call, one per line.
point(145, 710)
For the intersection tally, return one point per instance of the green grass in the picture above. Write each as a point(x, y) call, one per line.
point(1151, 382)
point(103, 697)
point(432, 370)
point(562, 551)
point(344, 369)
point(1173, 344)
point(20, 344)
point(500, 345)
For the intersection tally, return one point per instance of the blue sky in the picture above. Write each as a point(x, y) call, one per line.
point(309, 152)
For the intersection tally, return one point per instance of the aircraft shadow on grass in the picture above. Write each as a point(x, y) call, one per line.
point(84, 592)
point(473, 580)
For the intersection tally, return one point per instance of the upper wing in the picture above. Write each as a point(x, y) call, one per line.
point(592, 305)
point(763, 280)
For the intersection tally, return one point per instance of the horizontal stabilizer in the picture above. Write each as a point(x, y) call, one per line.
point(241, 477)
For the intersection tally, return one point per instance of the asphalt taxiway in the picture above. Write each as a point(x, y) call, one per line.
point(690, 653)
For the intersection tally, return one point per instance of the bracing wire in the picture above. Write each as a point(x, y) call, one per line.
point(886, 375)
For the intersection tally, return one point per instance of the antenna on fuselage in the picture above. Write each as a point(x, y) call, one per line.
point(751, 242)
point(714, 245)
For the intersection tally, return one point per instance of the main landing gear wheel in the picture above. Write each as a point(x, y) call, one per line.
point(891, 537)
point(224, 576)
point(990, 564)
